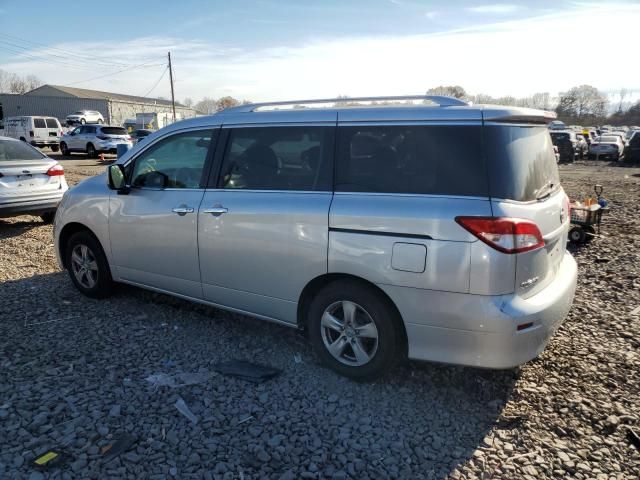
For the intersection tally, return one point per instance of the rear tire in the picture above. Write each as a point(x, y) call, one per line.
point(48, 217)
point(91, 151)
point(87, 265)
point(367, 342)
point(99, 121)
point(55, 148)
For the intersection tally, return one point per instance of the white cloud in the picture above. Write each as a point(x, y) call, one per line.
point(496, 8)
point(508, 58)
point(431, 15)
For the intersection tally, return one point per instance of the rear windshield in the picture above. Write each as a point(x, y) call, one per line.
point(113, 131)
point(521, 161)
point(411, 159)
point(16, 150)
point(607, 139)
point(52, 123)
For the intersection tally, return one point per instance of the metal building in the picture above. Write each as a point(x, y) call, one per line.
point(59, 101)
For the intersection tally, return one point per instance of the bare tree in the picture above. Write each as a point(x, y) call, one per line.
point(32, 82)
point(207, 105)
point(226, 102)
point(455, 91)
point(583, 103)
point(188, 102)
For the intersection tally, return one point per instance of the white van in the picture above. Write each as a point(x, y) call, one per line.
point(38, 131)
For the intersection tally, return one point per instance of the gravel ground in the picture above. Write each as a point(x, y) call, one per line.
point(73, 370)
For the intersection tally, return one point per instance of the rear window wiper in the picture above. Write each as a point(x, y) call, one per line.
point(545, 191)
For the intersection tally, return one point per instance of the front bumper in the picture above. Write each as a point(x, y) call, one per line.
point(481, 331)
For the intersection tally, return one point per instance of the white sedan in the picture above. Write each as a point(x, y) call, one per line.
point(30, 183)
point(604, 146)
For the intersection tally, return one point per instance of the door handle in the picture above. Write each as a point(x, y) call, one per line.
point(216, 210)
point(182, 210)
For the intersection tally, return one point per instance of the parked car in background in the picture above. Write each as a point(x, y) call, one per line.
point(632, 149)
point(139, 134)
point(606, 146)
point(38, 131)
point(94, 139)
point(566, 142)
point(556, 152)
point(30, 182)
point(82, 117)
point(557, 125)
point(388, 231)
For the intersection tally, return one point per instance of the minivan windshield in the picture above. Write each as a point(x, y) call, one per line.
point(16, 150)
point(521, 162)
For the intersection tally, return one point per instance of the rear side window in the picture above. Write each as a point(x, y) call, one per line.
point(113, 131)
point(411, 159)
point(51, 122)
point(39, 123)
point(521, 161)
point(278, 158)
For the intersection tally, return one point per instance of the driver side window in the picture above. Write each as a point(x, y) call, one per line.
point(175, 162)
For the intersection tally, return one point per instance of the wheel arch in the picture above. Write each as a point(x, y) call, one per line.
point(66, 233)
point(318, 283)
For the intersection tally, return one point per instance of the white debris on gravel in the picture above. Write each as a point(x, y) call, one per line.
point(78, 383)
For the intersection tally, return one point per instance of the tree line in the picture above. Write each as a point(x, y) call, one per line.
point(584, 104)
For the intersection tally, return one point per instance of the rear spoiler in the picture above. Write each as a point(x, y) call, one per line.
point(502, 114)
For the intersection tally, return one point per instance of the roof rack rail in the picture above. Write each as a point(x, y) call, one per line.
point(441, 100)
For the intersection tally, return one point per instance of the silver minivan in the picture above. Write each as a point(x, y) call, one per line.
point(429, 231)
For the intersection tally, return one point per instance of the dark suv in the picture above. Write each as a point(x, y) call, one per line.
point(567, 144)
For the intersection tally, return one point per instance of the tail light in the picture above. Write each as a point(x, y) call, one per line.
point(507, 235)
point(31, 133)
point(55, 171)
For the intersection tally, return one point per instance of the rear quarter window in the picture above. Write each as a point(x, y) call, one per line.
point(521, 161)
point(39, 123)
point(411, 159)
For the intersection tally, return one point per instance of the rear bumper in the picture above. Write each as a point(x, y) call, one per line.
point(481, 331)
point(32, 206)
point(45, 143)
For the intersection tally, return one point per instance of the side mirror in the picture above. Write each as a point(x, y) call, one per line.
point(117, 178)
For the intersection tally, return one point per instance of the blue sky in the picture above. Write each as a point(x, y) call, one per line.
point(267, 49)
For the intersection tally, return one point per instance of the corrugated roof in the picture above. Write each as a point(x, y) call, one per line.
point(86, 93)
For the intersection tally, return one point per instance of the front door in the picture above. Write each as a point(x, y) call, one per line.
point(263, 230)
point(153, 229)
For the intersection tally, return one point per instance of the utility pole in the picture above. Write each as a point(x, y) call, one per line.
point(173, 98)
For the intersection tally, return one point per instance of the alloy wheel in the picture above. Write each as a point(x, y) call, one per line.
point(349, 333)
point(84, 266)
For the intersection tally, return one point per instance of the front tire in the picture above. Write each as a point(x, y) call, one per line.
point(354, 330)
point(64, 149)
point(87, 265)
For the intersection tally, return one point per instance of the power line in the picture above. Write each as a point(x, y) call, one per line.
point(68, 53)
point(164, 72)
point(143, 65)
point(13, 48)
point(26, 56)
